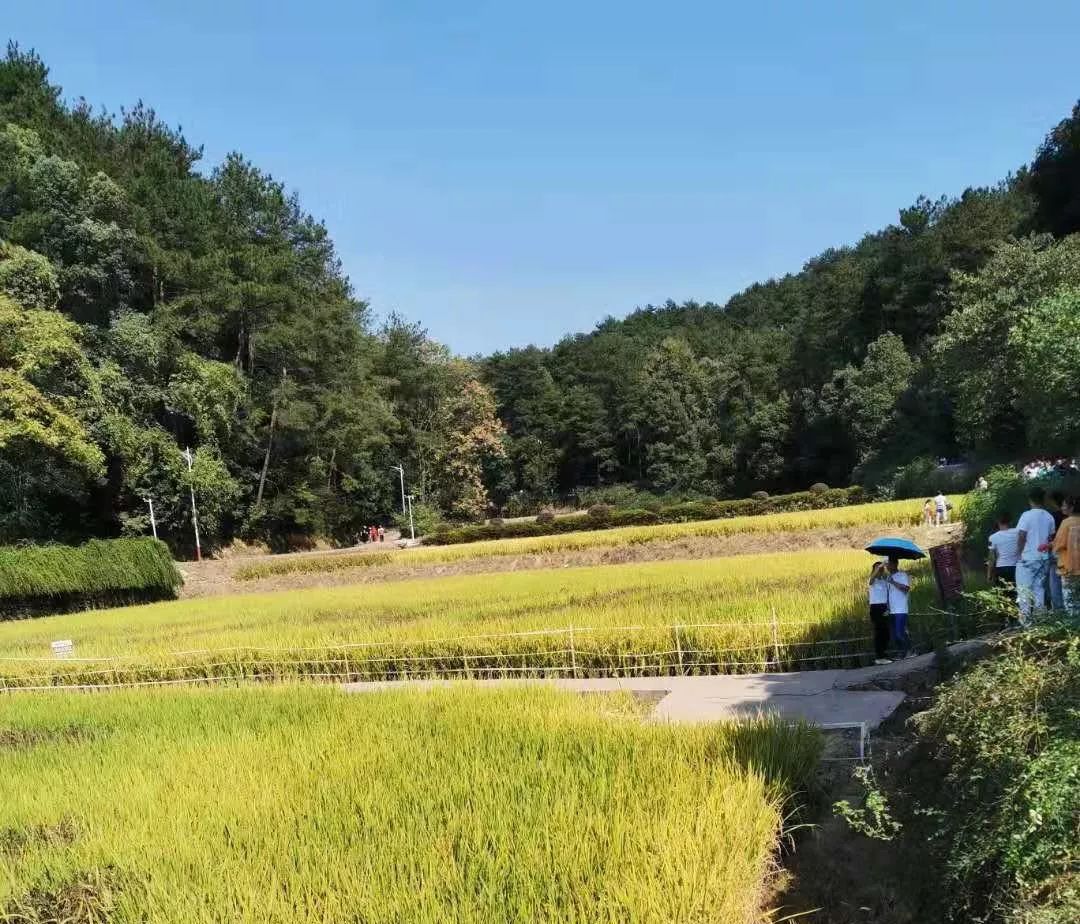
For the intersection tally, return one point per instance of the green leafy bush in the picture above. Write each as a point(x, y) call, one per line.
point(52, 578)
point(1006, 492)
point(1006, 736)
point(685, 512)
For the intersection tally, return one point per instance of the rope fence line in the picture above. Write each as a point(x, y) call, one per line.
point(570, 631)
point(409, 662)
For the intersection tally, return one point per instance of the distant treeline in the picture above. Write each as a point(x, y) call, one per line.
point(147, 307)
point(601, 516)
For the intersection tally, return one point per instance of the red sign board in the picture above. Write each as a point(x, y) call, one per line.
point(948, 573)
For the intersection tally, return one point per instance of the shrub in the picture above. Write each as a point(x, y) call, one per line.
point(47, 579)
point(685, 512)
point(621, 497)
point(760, 495)
point(1005, 738)
point(600, 511)
point(547, 515)
point(496, 522)
point(819, 488)
point(426, 520)
point(1006, 492)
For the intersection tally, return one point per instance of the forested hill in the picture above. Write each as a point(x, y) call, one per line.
point(149, 304)
point(955, 332)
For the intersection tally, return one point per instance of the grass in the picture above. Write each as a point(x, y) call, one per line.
point(891, 513)
point(36, 577)
point(305, 804)
point(779, 609)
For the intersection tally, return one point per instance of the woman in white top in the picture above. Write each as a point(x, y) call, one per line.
point(1001, 559)
point(879, 610)
point(899, 589)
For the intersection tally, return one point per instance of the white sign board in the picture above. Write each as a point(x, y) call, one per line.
point(63, 648)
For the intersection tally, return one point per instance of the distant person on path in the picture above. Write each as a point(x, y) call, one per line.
point(928, 512)
point(899, 589)
point(941, 507)
point(1001, 561)
point(982, 484)
point(879, 610)
point(1035, 533)
point(1057, 599)
point(382, 534)
point(1067, 552)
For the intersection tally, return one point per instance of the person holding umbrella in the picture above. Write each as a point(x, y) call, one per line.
point(879, 610)
point(899, 585)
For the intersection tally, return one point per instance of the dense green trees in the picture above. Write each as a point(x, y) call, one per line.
point(949, 333)
point(147, 307)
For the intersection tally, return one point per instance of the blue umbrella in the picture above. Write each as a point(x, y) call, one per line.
point(895, 547)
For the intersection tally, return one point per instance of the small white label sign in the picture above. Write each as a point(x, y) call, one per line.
point(63, 648)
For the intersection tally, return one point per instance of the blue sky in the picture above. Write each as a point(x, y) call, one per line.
point(506, 173)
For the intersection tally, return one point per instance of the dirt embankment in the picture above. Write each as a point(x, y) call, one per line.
point(219, 577)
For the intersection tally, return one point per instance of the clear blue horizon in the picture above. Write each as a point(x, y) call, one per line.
point(508, 176)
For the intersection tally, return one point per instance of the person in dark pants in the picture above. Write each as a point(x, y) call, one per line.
point(1001, 557)
point(879, 610)
point(899, 592)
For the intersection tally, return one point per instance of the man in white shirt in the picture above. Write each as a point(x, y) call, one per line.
point(1001, 560)
point(941, 506)
point(1035, 532)
point(899, 589)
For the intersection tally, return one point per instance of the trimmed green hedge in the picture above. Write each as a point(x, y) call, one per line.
point(676, 513)
point(36, 580)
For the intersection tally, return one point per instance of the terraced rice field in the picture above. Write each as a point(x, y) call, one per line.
point(753, 612)
point(304, 804)
point(892, 513)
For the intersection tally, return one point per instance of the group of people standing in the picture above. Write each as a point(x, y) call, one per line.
point(936, 510)
point(1039, 559)
point(372, 534)
point(890, 589)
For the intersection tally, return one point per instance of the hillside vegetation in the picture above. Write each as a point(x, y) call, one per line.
point(149, 304)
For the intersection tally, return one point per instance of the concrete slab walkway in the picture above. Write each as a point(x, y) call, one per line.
point(865, 695)
point(809, 695)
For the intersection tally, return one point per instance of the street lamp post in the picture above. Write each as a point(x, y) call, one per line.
point(400, 469)
point(194, 514)
point(412, 529)
point(153, 521)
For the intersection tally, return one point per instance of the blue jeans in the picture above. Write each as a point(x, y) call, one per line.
point(900, 633)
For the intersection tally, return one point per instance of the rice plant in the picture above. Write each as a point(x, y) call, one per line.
point(306, 804)
point(752, 612)
point(904, 513)
point(36, 578)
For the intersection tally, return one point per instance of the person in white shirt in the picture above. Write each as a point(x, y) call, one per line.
point(899, 589)
point(879, 610)
point(941, 506)
point(1001, 560)
point(1035, 532)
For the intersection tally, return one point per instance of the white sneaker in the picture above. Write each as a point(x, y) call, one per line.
point(881, 662)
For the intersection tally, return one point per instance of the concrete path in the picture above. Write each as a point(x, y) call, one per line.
point(810, 695)
point(866, 695)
